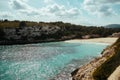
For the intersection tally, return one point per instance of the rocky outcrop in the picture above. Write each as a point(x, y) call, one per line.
point(29, 32)
point(116, 34)
point(33, 34)
point(24, 32)
point(102, 67)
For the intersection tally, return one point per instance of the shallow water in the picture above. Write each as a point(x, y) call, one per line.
point(45, 61)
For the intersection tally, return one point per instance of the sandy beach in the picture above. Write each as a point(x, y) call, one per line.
point(108, 40)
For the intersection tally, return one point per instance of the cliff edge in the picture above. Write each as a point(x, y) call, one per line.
point(100, 68)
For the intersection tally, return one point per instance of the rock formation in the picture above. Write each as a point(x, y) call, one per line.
point(102, 67)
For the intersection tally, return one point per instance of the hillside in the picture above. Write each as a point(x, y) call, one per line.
point(113, 26)
point(22, 32)
point(102, 67)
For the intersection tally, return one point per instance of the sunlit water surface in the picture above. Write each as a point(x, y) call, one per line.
point(45, 61)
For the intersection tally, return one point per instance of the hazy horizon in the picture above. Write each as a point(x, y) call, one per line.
point(82, 12)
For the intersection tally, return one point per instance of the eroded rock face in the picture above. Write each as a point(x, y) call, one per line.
point(100, 68)
point(85, 72)
point(29, 32)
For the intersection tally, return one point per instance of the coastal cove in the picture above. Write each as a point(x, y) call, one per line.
point(45, 61)
point(59, 40)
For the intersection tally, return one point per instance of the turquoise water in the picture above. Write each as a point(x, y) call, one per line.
point(45, 61)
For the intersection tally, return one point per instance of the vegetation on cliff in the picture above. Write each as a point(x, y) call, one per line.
point(26, 31)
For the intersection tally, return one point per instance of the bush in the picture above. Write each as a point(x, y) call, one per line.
point(22, 24)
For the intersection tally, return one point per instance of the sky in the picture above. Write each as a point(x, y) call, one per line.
point(83, 12)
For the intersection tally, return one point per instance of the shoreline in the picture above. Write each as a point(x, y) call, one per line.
point(23, 42)
point(98, 67)
point(107, 40)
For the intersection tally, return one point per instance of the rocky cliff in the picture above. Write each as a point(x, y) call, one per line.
point(32, 34)
point(102, 67)
point(22, 32)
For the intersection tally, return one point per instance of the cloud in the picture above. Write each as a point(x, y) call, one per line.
point(19, 4)
point(105, 11)
point(5, 15)
point(70, 13)
point(49, 10)
point(48, 1)
point(108, 1)
point(92, 2)
point(100, 7)
point(30, 12)
point(61, 11)
point(22, 7)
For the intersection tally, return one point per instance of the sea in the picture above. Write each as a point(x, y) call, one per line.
point(45, 61)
